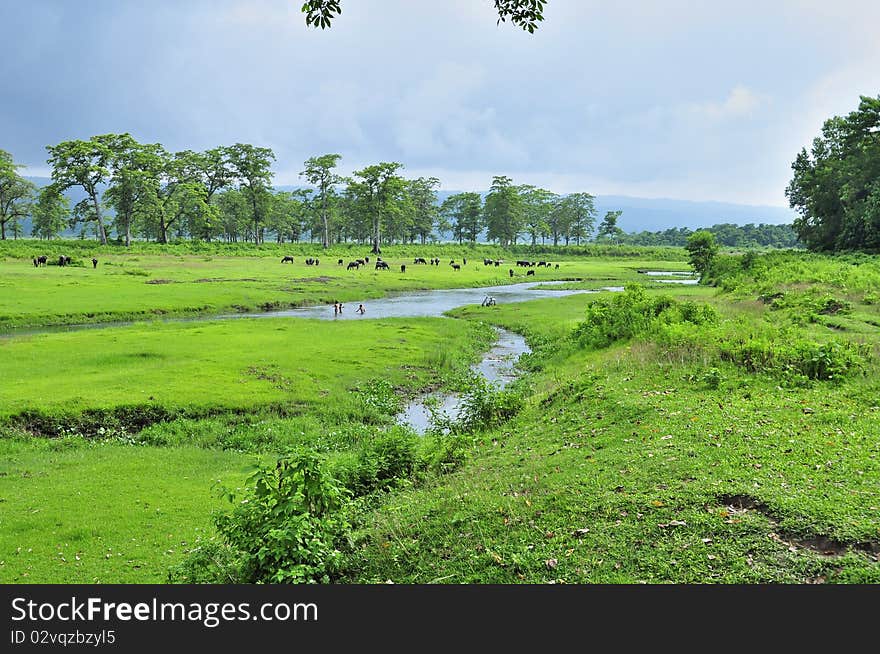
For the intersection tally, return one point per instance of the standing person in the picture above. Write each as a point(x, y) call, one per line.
point(361, 309)
point(340, 307)
point(336, 308)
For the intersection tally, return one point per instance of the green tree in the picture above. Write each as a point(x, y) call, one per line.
point(608, 229)
point(251, 167)
point(579, 216)
point(537, 204)
point(16, 193)
point(50, 213)
point(836, 185)
point(134, 181)
point(503, 211)
point(319, 173)
point(85, 164)
point(379, 192)
point(462, 213)
point(422, 204)
point(525, 14)
point(702, 249)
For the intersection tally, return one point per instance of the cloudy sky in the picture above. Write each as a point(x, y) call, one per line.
point(686, 99)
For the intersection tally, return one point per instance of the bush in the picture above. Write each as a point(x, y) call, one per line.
point(633, 313)
point(288, 528)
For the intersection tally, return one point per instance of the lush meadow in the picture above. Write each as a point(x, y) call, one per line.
point(669, 433)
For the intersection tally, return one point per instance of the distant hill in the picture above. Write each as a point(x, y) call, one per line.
point(639, 214)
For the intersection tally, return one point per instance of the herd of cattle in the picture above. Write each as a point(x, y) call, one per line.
point(435, 261)
point(63, 260)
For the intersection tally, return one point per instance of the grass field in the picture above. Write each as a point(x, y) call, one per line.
point(743, 449)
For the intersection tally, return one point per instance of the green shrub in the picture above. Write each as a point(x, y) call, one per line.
point(288, 528)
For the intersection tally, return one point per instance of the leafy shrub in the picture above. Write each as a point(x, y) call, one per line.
point(288, 528)
point(388, 459)
point(633, 313)
point(818, 361)
point(379, 399)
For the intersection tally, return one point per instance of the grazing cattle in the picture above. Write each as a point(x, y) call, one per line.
point(339, 262)
point(367, 259)
point(35, 263)
point(488, 262)
point(488, 301)
point(42, 260)
point(94, 263)
point(403, 267)
point(317, 261)
point(381, 265)
point(420, 260)
point(530, 272)
point(310, 261)
point(455, 266)
point(286, 259)
point(452, 262)
point(463, 261)
point(522, 264)
point(510, 270)
point(64, 260)
point(353, 264)
point(543, 263)
point(361, 262)
point(557, 266)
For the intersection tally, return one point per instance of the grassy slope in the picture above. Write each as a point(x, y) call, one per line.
point(625, 466)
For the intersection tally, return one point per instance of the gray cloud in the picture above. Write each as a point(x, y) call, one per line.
point(676, 99)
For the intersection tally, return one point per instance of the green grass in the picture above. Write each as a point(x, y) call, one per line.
point(145, 285)
point(647, 462)
point(73, 511)
point(656, 460)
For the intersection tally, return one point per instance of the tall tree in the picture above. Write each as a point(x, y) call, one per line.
point(16, 193)
point(463, 214)
point(579, 216)
point(525, 14)
point(134, 181)
point(50, 213)
point(380, 190)
point(422, 195)
point(836, 186)
point(85, 164)
point(251, 166)
point(608, 229)
point(503, 211)
point(538, 203)
point(319, 172)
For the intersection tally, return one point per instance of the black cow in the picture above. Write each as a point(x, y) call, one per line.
point(543, 263)
point(286, 259)
point(403, 267)
point(463, 261)
point(353, 264)
point(361, 262)
point(94, 263)
point(510, 270)
point(35, 263)
point(381, 265)
point(420, 260)
point(522, 264)
point(557, 266)
point(488, 262)
point(497, 263)
point(339, 262)
point(455, 266)
point(64, 260)
point(367, 259)
point(530, 272)
point(42, 259)
point(309, 261)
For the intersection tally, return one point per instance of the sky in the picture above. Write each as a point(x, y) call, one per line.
point(684, 99)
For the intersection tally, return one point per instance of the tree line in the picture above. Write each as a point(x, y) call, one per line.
point(142, 191)
point(726, 234)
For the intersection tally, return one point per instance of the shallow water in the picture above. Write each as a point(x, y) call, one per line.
point(497, 366)
point(692, 278)
point(427, 303)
